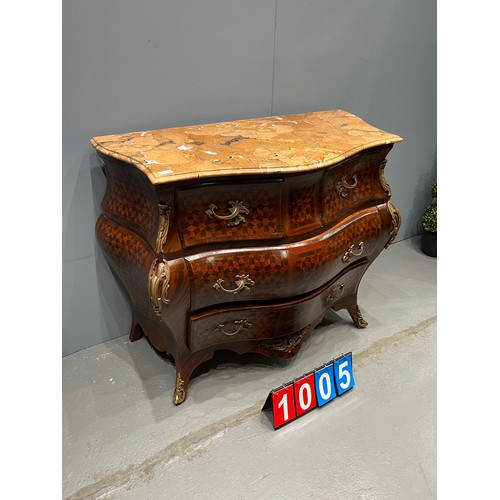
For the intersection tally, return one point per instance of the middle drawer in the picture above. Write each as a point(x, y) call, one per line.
point(276, 272)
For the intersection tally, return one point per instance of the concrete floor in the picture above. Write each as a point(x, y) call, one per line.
point(123, 438)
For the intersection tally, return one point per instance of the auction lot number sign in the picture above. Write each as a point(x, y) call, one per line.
point(311, 390)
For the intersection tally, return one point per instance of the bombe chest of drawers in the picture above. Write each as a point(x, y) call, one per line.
point(241, 235)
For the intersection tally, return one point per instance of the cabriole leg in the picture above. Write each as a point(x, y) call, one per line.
point(180, 390)
point(351, 305)
point(185, 368)
point(356, 316)
point(135, 331)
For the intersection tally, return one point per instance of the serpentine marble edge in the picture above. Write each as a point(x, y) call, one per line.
point(276, 144)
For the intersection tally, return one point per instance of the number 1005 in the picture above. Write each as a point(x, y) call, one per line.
point(312, 390)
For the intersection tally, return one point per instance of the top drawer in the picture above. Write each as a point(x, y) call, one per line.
point(218, 212)
point(356, 183)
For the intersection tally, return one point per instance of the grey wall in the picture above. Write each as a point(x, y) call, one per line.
point(131, 66)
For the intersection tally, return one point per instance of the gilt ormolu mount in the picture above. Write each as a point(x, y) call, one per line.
point(241, 235)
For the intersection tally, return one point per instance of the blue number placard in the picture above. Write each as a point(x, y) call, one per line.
point(344, 379)
point(325, 384)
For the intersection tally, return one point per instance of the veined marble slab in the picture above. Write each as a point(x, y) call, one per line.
point(275, 144)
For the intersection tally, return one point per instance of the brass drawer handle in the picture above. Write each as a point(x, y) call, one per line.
point(336, 292)
point(343, 185)
point(242, 281)
point(234, 218)
point(241, 324)
point(353, 253)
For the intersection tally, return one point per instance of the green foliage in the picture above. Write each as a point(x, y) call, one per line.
point(429, 217)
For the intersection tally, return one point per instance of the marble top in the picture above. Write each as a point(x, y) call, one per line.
point(275, 144)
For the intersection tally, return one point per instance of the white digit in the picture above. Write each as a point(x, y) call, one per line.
point(307, 388)
point(344, 373)
point(325, 394)
point(284, 403)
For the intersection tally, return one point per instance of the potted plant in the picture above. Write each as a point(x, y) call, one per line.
point(429, 225)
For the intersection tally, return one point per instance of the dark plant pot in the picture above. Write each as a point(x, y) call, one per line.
point(429, 243)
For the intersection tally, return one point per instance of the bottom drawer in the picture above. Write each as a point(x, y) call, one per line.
point(260, 322)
